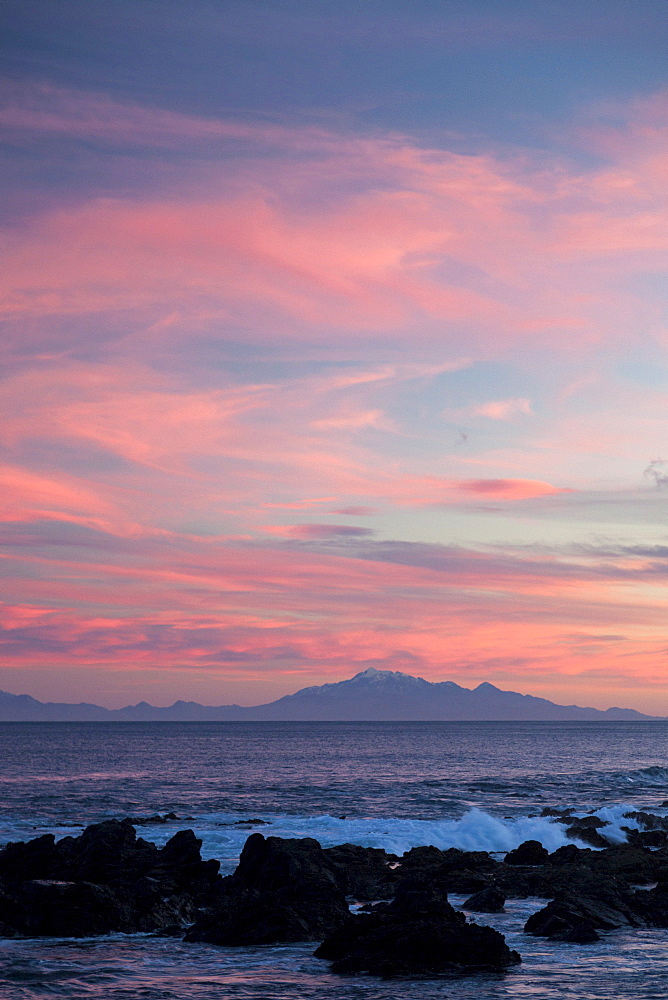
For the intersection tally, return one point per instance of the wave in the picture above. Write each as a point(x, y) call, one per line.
point(224, 834)
point(656, 775)
point(476, 830)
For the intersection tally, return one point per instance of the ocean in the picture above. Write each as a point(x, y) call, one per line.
point(476, 786)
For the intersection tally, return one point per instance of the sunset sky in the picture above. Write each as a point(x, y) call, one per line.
point(335, 337)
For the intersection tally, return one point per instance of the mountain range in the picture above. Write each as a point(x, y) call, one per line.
point(370, 696)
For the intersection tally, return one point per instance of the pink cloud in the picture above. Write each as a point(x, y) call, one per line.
point(356, 420)
point(432, 241)
point(27, 495)
point(356, 511)
point(169, 439)
point(319, 531)
point(301, 504)
point(425, 490)
point(503, 409)
point(510, 489)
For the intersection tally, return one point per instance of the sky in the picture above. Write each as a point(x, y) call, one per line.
point(334, 337)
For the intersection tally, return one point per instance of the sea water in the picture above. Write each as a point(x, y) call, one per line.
point(476, 786)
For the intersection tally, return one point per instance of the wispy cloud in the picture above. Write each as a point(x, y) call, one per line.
point(356, 511)
point(657, 470)
point(542, 252)
point(319, 531)
point(503, 409)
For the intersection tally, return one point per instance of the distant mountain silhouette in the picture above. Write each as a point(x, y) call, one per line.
point(370, 696)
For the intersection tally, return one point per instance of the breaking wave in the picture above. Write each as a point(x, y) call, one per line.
point(224, 835)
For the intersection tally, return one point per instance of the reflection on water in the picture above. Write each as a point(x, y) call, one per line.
point(624, 965)
point(413, 770)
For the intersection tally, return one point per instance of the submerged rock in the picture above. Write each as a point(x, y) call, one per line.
point(417, 933)
point(158, 819)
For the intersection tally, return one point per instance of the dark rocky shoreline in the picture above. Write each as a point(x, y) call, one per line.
point(108, 879)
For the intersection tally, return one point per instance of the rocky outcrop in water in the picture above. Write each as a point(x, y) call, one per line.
point(451, 870)
point(106, 880)
point(363, 873)
point(417, 933)
point(579, 913)
point(587, 830)
point(489, 900)
point(282, 890)
point(531, 852)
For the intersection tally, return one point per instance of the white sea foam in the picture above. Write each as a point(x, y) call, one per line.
point(474, 831)
point(614, 816)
